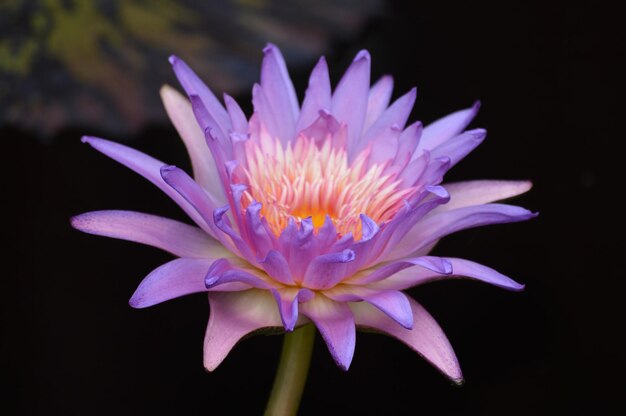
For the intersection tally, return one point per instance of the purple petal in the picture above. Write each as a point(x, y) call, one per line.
point(349, 101)
point(171, 280)
point(222, 222)
point(409, 139)
point(223, 272)
point(317, 96)
point(396, 115)
point(393, 303)
point(259, 234)
point(237, 117)
point(426, 338)
point(437, 265)
point(459, 146)
point(327, 270)
point(234, 315)
point(384, 147)
point(193, 85)
point(414, 276)
point(149, 168)
point(288, 300)
point(181, 114)
point(279, 91)
point(176, 237)
point(463, 194)
point(431, 229)
point(378, 100)
point(188, 189)
point(335, 322)
point(277, 267)
point(447, 127)
point(369, 228)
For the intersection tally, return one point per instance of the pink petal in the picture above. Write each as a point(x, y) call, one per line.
point(463, 194)
point(149, 168)
point(426, 338)
point(335, 322)
point(234, 315)
point(176, 278)
point(204, 170)
point(176, 237)
point(447, 127)
point(317, 96)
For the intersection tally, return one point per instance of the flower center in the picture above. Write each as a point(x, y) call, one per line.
point(308, 180)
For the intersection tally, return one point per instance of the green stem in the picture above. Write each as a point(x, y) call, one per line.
point(292, 371)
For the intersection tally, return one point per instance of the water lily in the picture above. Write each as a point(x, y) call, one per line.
point(317, 213)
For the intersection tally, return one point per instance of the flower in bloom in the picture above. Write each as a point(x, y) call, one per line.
point(322, 212)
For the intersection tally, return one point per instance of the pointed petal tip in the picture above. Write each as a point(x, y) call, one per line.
point(269, 47)
point(363, 54)
point(89, 139)
point(173, 59)
point(166, 169)
point(136, 301)
point(457, 381)
point(479, 134)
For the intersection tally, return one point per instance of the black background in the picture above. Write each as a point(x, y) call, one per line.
point(546, 74)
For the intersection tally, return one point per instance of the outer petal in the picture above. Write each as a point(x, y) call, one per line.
point(288, 299)
point(193, 85)
point(378, 100)
point(149, 168)
point(335, 322)
point(204, 171)
point(350, 97)
point(317, 97)
point(327, 270)
point(431, 229)
point(463, 194)
point(414, 276)
point(176, 237)
point(394, 117)
point(234, 315)
point(171, 280)
point(459, 146)
point(447, 127)
point(186, 188)
point(279, 91)
point(426, 338)
point(392, 302)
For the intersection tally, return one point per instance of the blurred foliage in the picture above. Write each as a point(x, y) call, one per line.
point(100, 63)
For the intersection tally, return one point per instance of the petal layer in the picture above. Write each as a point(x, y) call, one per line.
point(426, 338)
point(171, 280)
point(234, 315)
point(176, 237)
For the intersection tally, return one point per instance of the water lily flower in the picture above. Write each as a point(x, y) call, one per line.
point(321, 212)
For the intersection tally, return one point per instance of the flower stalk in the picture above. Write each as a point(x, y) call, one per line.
point(291, 375)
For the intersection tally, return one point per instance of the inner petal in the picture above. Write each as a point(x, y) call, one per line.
point(308, 179)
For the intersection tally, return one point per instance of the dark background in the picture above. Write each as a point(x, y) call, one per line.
point(546, 74)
